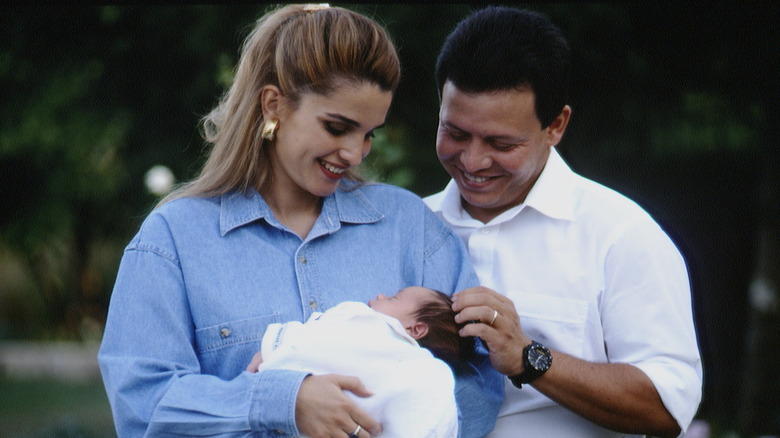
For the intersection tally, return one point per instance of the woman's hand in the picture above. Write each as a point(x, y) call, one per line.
point(255, 364)
point(323, 410)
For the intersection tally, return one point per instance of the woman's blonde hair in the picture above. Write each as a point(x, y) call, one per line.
point(300, 49)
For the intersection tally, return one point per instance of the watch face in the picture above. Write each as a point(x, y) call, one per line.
point(538, 359)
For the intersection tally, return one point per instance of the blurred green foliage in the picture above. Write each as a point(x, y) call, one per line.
point(674, 105)
point(44, 408)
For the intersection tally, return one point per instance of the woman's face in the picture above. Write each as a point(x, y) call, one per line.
point(324, 136)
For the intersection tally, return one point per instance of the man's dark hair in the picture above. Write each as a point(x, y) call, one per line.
point(499, 48)
point(442, 338)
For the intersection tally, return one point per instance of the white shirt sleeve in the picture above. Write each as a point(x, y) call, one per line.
point(647, 315)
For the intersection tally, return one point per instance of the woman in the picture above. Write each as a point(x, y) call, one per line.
point(276, 227)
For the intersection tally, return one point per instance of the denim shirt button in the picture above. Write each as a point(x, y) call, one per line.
point(224, 332)
point(278, 432)
point(303, 259)
point(313, 304)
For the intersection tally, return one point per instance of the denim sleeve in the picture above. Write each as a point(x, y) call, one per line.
point(151, 370)
point(479, 392)
point(479, 388)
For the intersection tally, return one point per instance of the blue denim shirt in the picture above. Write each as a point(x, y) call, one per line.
point(203, 278)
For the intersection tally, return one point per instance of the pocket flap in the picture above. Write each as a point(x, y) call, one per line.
point(233, 332)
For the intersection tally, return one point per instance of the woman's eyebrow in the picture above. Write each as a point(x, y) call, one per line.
point(349, 121)
point(346, 120)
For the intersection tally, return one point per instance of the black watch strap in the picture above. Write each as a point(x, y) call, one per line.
point(532, 371)
point(516, 380)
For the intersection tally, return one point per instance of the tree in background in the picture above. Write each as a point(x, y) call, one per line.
point(92, 97)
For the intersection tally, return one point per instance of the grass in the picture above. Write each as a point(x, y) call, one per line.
point(31, 408)
point(34, 408)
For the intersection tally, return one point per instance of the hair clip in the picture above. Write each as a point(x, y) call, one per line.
point(315, 7)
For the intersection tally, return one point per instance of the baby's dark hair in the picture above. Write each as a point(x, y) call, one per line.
point(443, 339)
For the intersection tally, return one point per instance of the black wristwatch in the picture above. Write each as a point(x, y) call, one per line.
point(537, 360)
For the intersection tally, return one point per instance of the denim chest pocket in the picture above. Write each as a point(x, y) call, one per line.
point(558, 323)
point(234, 333)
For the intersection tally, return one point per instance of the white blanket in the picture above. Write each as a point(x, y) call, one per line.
point(413, 391)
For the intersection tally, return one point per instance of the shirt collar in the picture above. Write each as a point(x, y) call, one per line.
point(552, 195)
point(347, 205)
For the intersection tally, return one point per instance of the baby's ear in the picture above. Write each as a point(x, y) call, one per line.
point(417, 330)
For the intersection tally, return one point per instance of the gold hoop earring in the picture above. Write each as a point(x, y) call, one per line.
point(269, 129)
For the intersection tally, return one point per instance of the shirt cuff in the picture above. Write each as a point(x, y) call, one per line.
point(679, 388)
point(273, 401)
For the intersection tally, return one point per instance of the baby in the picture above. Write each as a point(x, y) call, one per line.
point(380, 344)
point(427, 316)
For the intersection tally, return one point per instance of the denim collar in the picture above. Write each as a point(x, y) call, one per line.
point(347, 205)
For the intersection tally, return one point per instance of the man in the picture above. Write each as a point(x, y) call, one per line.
point(585, 304)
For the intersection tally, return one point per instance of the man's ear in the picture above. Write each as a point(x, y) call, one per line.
point(417, 330)
point(558, 126)
point(270, 99)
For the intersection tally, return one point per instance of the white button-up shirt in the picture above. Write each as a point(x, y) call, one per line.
point(592, 275)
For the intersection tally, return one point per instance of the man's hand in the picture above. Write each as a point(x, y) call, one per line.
point(503, 335)
point(323, 410)
point(617, 396)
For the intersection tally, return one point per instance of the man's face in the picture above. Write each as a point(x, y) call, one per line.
point(493, 146)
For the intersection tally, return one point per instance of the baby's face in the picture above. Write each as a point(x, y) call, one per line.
point(402, 305)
